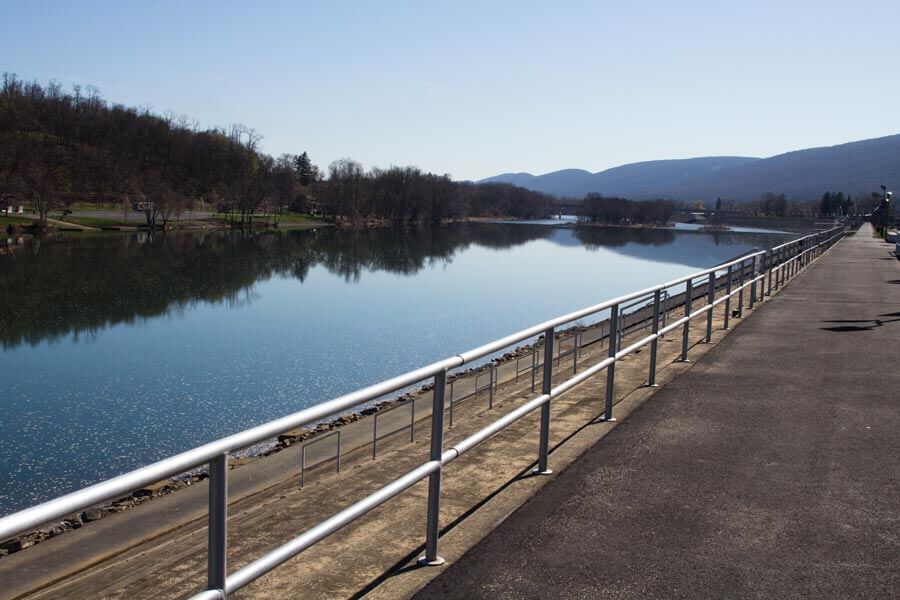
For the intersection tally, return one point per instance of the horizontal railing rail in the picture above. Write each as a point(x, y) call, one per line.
point(748, 272)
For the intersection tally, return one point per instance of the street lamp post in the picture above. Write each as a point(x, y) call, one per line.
point(886, 199)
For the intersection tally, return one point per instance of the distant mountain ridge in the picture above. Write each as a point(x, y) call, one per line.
point(855, 167)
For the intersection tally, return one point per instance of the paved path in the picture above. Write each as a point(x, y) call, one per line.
point(769, 470)
point(59, 223)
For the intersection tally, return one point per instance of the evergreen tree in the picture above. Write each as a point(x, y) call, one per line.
point(826, 207)
point(304, 169)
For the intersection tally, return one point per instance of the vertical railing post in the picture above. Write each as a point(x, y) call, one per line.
point(338, 450)
point(769, 267)
point(432, 528)
point(575, 353)
point(451, 402)
point(217, 519)
point(546, 386)
point(686, 328)
point(651, 379)
point(741, 281)
point(611, 369)
point(781, 267)
point(727, 298)
point(491, 387)
point(374, 435)
point(754, 271)
point(533, 364)
point(710, 298)
point(412, 420)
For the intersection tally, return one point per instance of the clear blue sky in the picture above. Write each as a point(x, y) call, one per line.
point(478, 88)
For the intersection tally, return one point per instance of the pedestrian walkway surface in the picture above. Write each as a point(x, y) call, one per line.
point(769, 470)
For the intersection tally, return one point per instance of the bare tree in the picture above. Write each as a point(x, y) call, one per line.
point(43, 190)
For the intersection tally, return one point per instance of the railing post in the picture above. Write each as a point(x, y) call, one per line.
point(546, 386)
point(710, 298)
point(741, 281)
point(727, 298)
point(374, 436)
point(781, 268)
point(688, 299)
point(651, 380)
point(754, 271)
point(338, 460)
point(611, 369)
point(217, 523)
point(769, 266)
point(533, 364)
point(491, 387)
point(432, 529)
point(451, 402)
point(575, 354)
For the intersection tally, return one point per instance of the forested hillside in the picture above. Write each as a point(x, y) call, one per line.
point(58, 147)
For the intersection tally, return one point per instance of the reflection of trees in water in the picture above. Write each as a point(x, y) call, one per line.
point(614, 237)
point(70, 284)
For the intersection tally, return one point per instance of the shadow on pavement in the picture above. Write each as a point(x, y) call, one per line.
point(870, 324)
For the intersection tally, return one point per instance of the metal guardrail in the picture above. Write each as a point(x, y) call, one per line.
point(751, 270)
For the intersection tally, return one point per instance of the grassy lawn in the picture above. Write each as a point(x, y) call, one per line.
point(12, 220)
point(297, 218)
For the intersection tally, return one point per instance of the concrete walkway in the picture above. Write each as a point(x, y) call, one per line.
point(769, 470)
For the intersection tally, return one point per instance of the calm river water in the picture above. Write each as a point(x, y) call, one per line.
point(117, 350)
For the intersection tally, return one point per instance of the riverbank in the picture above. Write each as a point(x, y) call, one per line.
point(96, 220)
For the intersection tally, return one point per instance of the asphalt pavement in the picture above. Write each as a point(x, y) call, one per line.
point(769, 470)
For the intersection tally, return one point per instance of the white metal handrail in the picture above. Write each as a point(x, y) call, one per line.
point(779, 263)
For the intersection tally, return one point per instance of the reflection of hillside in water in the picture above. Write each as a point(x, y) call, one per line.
point(692, 248)
point(64, 285)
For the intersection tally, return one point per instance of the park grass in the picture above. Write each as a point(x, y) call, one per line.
point(298, 218)
point(13, 220)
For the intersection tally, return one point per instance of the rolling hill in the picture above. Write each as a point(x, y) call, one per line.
point(855, 167)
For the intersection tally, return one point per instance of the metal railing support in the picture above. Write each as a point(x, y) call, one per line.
point(575, 353)
point(710, 298)
point(727, 298)
point(491, 387)
point(217, 524)
point(688, 296)
point(451, 403)
point(611, 369)
point(754, 270)
point(546, 386)
point(533, 365)
point(432, 528)
point(770, 267)
point(651, 380)
point(741, 279)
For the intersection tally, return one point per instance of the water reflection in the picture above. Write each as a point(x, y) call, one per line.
point(198, 335)
point(78, 285)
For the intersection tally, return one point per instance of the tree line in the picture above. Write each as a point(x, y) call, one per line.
point(57, 147)
point(831, 204)
point(611, 210)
